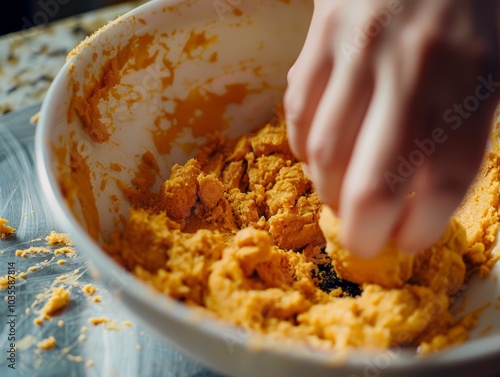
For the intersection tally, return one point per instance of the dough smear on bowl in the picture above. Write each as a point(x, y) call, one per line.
point(236, 231)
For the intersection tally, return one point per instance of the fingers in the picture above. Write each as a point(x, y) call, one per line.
point(355, 125)
point(371, 199)
point(443, 181)
point(307, 80)
point(335, 126)
point(437, 196)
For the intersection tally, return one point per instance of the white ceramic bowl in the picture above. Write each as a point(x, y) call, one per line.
point(193, 53)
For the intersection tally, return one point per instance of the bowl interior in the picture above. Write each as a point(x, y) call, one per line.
point(159, 80)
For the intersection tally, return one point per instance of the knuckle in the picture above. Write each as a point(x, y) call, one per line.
point(424, 40)
point(327, 153)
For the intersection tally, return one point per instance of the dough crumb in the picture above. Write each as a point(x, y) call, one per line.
point(47, 343)
point(4, 281)
point(34, 119)
point(98, 320)
point(89, 289)
point(55, 238)
point(75, 359)
point(5, 230)
point(31, 250)
point(112, 325)
point(57, 301)
point(64, 250)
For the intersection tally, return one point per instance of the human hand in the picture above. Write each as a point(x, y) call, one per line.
point(392, 97)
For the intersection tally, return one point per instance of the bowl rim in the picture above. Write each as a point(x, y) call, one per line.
point(474, 350)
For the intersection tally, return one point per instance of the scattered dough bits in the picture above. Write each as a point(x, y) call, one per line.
point(57, 301)
point(4, 281)
point(5, 230)
point(55, 238)
point(32, 250)
point(89, 289)
point(112, 325)
point(34, 119)
point(109, 324)
point(98, 320)
point(236, 231)
point(47, 343)
point(65, 250)
point(75, 359)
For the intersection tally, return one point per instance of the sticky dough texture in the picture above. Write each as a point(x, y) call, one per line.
point(236, 232)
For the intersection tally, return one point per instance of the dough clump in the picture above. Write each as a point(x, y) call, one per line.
point(235, 232)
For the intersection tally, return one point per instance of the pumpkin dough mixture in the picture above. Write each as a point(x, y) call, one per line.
point(239, 231)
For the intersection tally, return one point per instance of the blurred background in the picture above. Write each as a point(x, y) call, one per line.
point(24, 14)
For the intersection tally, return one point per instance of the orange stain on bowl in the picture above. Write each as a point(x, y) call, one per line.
point(143, 181)
point(134, 56)
point(74, 178)
point(197, 41)
point(63, 172)
point(81, 176)
point(202, 111)
point(115, 167)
